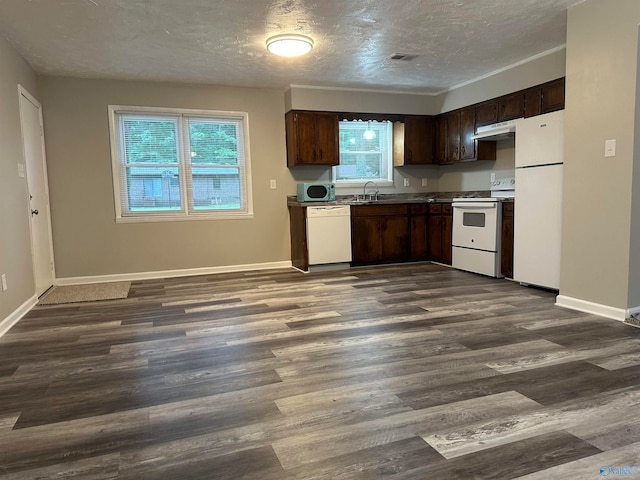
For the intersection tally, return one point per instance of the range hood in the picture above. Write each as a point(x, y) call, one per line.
point(497, 131)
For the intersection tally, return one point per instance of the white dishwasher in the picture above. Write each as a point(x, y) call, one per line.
point(329, 234)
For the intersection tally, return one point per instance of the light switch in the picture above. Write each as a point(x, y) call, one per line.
point(272, 184)
point(610, 148)
point(21, 170)
point(406, 182)
point(493, 177)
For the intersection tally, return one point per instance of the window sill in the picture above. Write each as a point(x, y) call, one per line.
point(183, 218)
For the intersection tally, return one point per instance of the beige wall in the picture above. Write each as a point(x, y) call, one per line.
point(87, 240)
point(15, 254)
point(336, 100)
point(477, 175)
point(599, 207)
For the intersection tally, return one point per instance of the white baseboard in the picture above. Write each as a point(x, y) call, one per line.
point(14, 317)
point(595, 308)
point(121, 277)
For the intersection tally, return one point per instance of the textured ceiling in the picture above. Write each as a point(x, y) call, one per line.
point(223, 41)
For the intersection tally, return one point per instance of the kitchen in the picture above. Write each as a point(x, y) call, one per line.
point(461, 136)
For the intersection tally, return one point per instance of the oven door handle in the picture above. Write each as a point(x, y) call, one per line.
point(475, 205)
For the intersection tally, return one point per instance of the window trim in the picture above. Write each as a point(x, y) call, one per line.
point(386, 182)
point(183, 214)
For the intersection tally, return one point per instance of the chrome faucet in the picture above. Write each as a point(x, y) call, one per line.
point(364, 191)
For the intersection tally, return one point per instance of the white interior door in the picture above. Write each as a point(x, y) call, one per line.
point(36, 170)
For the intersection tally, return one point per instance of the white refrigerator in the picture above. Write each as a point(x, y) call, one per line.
point(538, 200)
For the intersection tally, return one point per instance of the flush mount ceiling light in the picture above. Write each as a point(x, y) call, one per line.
point(289, 45)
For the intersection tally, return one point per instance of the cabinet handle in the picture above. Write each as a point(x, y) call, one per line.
point(314, 155)
point(409, 154)
point(464, 151)
point(320, 153)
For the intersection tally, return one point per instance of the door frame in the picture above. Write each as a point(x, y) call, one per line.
point(23, 92)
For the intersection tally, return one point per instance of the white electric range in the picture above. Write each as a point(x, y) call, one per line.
point(477, 223)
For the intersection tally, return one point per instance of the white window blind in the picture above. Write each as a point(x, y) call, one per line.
point(180, 164)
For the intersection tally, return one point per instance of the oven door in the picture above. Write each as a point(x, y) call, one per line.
point(476, 225)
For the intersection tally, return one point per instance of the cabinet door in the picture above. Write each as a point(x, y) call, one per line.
point(467, 131)
point(395, 239)
point(552, 96)
point(305, 138)
point(328, 147)
point(532, 102)
point(441, 139)
point(435, 238)
point(447, 231)
point(511, 107)
point(506, 240)
point(487, 113)
point(419, 237)
point(453, 137)
point(366, 240)
point(418, 141)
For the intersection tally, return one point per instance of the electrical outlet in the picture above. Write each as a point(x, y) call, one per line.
point(272, 184)
point(21, 170)
point(425, 181)
point(406, 182)
point(493, 177)
point(4, 282)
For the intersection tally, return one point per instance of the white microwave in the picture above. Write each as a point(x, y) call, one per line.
point(316, 192)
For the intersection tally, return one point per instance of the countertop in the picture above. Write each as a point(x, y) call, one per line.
point(396, 198)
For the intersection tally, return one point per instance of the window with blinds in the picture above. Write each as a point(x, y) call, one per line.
point(179, 164)
point(366, 153)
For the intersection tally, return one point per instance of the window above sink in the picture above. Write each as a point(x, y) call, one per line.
point(366, 153)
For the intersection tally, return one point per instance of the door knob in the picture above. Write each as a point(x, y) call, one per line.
point(34, 212)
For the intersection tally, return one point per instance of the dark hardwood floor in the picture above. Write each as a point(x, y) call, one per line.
point(402, 372)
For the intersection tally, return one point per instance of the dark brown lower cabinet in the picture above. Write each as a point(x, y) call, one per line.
point(419, 215)
point(298, 233)
point(440, 231)
point(380, 234)
point(447, 233)
point(506, 239)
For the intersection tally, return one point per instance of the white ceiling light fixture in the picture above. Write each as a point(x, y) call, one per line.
point(289, 45)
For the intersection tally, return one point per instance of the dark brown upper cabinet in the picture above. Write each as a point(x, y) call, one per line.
point(467, 131)
point(453, 137)
point(486, 113)
point(312, 138)
point(553, 96)
point(544, 98)
point(419, 140)
point(441, 139)
point(511, 107)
